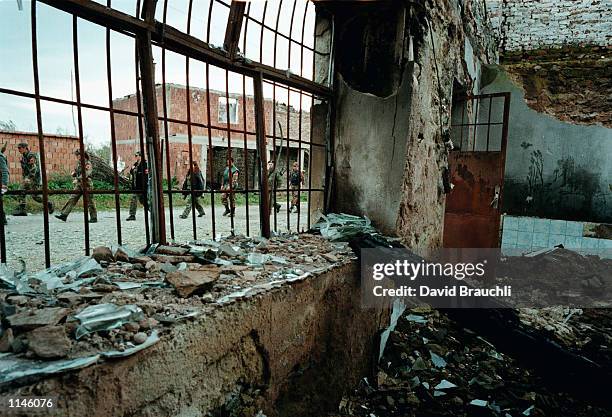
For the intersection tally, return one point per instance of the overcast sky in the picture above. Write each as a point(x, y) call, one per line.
point(56, 63)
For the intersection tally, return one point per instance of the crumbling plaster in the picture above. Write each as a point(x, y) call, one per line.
point(238, 358)
point(389, 149)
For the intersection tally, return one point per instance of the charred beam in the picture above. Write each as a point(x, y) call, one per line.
point(234, 26)
point(147, 80)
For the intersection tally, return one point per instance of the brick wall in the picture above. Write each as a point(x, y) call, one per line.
point(533, 24)
point(128, 136)
point(58, 152)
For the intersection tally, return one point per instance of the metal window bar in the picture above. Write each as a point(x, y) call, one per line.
point(168, 39)
point(476, 121)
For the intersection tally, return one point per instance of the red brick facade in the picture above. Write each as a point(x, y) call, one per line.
point(58, 152)
point(128, 136)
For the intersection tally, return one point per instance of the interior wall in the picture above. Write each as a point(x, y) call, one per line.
point(392, 109)
point(554, 169)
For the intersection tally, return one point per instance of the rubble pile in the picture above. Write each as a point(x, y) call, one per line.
point(118, 301)
point(559, 277)
point(432, 366)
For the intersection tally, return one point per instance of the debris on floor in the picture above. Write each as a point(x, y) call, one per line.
point(119, 301)
point(558, 276)
point(432, 366)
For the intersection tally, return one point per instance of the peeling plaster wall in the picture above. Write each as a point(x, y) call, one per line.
point(554, 169)
point(390, 112)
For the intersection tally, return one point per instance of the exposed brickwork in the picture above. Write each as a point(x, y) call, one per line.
point(58, 150)
point(571, 84)
point(534, 24)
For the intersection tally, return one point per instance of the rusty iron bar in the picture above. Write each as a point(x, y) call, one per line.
point(190, 171)
point(262, 160)
point(165, 122)
point(209, 123)
point(41, 142)
point(147, 79)
point(77, 85)
point(141, 133)
point(113, 133)
point(233, 28)
point(229, 152)
point(244, 123)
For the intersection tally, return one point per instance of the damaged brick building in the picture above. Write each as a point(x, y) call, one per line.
point(429, 125)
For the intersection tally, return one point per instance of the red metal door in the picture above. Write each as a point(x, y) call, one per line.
point(479, 131)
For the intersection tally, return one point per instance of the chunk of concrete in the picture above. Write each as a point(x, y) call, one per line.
point(29, 320)
point(121, 255)
point(49, 342)
point(188, 283)
point(6, 340)
point(173, 259)
point(103, 253)
point(171, 250)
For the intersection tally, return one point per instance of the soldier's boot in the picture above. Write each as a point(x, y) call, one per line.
point(277, 207)
point(61, 217)
point(130, 218)
point(183, 216)
point(50, 207)
point(93, 220)
point(227, 210)
point(202, 214)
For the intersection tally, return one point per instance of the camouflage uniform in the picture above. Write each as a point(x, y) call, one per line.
point(4, 177)
point(273, 185)
point(78, 187)
point(138, 181)
point(226, 186)
point(193, 200)
point(31, 181)
point(296, 178)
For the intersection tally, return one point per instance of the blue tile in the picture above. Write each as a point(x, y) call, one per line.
point(524, 239)
point(557, 227)
point(526, 224)
point(590, 243)
point(510, 223)
point(605, 243)
point(509, 237)
point(506, 245)
point(555, 240)
point(540, 240)
point(573, 242)
point(541, 226)
point(574, 229)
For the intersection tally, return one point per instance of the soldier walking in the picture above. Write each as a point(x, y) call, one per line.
point(273, 185)
point(296, 180)
point(194, 176)
point(31, 179)
point(80, 185)
point(4, 181)
point(139, 178)
point(230, 182)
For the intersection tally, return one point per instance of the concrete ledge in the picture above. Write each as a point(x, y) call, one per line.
point(242, 357)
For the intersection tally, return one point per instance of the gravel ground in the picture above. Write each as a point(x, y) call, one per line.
point(24, 235)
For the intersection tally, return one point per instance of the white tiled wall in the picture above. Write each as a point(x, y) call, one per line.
point(532, 233)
